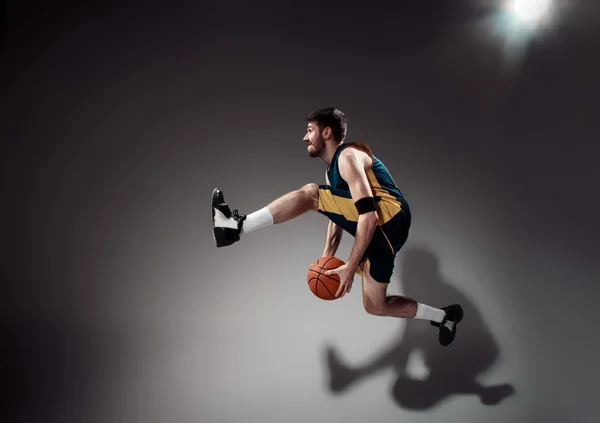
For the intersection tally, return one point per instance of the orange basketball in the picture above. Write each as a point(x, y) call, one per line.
point(321, 285)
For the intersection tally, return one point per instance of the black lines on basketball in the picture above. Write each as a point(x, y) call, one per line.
point(323, 278)
point(314, 273)
point(313, 285)
point(327, 288)
point(322, 266)
point(321, 285)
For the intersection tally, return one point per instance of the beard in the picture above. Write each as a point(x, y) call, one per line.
point(315, 149)
point(312, 152)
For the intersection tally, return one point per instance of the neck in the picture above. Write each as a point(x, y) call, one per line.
point(329, 151)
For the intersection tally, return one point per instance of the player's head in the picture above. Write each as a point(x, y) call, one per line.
point(324, 126)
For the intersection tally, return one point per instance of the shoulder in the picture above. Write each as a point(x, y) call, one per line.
point(356, 155)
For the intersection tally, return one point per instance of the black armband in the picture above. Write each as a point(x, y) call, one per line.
point(365, 205)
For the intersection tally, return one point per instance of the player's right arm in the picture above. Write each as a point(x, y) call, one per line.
point(334, 235)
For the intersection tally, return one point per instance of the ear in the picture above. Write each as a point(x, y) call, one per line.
point(327, 132)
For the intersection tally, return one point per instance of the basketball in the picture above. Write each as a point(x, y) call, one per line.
point(321, 285)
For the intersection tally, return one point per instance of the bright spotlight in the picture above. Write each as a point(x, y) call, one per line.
point(530, 11)
point(516, 23)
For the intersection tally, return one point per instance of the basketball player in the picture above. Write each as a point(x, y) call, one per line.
point(359, 197)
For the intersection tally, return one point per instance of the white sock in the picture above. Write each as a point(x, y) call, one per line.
point(426, 312)
point(257, 220)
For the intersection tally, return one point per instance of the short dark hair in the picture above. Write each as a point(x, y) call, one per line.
point(332, 118)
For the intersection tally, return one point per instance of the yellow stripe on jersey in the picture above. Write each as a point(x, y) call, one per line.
point(388, 206)
point(328, 202)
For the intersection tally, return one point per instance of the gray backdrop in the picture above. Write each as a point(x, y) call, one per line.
point(117, 122)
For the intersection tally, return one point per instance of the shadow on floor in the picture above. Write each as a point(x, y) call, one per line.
point(451, 370)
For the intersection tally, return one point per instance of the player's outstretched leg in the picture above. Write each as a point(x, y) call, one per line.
point(228, 226)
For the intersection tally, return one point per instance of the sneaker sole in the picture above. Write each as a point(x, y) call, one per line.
point(456, 322)
point(222, 231)
point(461, 315)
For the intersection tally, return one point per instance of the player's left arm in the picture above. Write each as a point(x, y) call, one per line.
point(352, 165)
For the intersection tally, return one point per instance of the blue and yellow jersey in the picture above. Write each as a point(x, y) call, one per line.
point(335, 201)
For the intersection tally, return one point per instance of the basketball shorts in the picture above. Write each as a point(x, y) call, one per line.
point(389, 236)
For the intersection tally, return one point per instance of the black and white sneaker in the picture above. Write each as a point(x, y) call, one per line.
point(227, 225)
point(454, 314)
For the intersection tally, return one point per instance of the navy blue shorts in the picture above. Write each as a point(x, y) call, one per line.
point(390, 234)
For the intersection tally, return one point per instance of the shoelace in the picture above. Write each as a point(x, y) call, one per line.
point(237, 216)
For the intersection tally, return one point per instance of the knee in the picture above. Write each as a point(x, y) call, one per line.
point(312, 191)
point(375, 308)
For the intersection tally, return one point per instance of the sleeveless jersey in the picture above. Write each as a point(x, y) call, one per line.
point(392, 206)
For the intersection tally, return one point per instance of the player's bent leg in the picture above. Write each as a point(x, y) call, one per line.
point(378, 303)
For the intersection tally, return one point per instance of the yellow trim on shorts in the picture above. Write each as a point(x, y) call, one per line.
point(359, 271)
